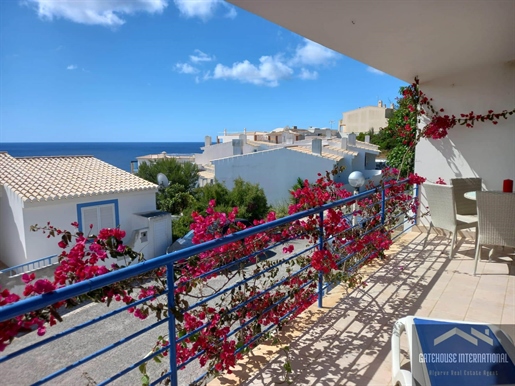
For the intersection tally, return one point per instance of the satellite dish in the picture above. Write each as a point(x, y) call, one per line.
point(162, 180)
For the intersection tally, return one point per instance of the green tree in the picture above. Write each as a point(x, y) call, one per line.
point(402, 131)
point(216, 191)
point(382, 138)
point(183, 178)
point(174, 199)
point(185, 174)
point(250, 199)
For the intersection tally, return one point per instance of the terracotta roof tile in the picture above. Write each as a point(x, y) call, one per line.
point(61, 177)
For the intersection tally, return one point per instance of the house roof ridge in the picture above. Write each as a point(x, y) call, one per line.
point(50, 178)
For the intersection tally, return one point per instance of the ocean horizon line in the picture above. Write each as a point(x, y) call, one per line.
point(104, 142)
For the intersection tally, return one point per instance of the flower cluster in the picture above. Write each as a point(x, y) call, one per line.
point(219, 332)
point(439, 123)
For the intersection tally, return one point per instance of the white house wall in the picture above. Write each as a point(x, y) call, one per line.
point(63, 212)
point(276, 171)
point(219, 150)
point(486, 150)
point(12, 230)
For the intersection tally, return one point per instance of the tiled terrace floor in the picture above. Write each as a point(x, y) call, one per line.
point(348, 341)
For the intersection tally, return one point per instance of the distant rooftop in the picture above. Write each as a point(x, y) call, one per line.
point(60, 177)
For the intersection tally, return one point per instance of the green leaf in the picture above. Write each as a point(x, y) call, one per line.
point(178, 315)
point(287, 367)
point(143, 368)
point(145, 380)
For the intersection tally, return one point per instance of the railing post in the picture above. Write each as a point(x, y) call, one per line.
point(383, 205)
point(415, 197)
point(321, 248)
point(172, 354)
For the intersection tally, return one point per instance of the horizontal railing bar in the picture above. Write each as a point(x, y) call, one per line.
point(26, 305)
point(243, 282)
point(161, 378)
point(77, 289)
point(74, 329)
point(225, 290)
point(133, 366)
point(255, 337)
point(33, 262)
point(100, 352)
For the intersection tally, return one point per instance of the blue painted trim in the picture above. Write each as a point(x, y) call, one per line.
point(98, 203)
point(29, 266)
point(40, 301)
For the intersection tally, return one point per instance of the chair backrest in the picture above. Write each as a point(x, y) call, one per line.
point(496, 218)
point(441, 205)
point(461, 186)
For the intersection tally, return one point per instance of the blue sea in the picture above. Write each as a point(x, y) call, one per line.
point(119, 154)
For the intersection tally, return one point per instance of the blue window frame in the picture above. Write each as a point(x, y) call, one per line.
point(100, 214)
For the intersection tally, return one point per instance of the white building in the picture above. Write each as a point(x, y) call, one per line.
point(463, 53)
point(83, 189)
point(149, 158)
point(278, 169)
point(235, 146)
point(364, 119)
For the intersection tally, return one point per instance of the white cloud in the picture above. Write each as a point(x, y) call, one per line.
point(96, 12)
point(374, 71)
point(231, 13)
point(72, 67)
point(203, 9)
point(186, 68)
point(312, 54)
point(200, 56)
point(308, 75)
point(269, 71)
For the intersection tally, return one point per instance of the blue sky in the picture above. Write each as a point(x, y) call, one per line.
point(166, 70)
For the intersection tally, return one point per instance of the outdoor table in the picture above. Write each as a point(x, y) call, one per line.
point(470, 195)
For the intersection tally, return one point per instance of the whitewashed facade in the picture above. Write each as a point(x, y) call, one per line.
point(62, 190)
point(277, 170)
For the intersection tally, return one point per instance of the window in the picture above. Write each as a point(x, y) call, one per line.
point(100, 214)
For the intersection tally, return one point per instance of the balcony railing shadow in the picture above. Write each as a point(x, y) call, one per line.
point(348, 341)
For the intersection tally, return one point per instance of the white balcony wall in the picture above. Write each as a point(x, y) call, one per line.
point(276, 171)
point(486, 150)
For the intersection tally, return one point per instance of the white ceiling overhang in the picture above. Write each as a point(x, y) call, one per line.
point(404, 38)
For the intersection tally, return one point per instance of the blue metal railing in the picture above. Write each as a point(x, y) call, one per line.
point(30, 266)
point(38, 302)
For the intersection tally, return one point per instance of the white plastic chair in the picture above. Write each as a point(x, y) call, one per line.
point(432, 343)
point(496, 221)
point(442, 207)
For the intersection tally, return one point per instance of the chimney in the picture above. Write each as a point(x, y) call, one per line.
point(352, 139)
point(237, 147)
point(316, 146)
point(344, 143)
point(380, 103)
point(367, 138)
point(207, 141)
point(243, 139)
